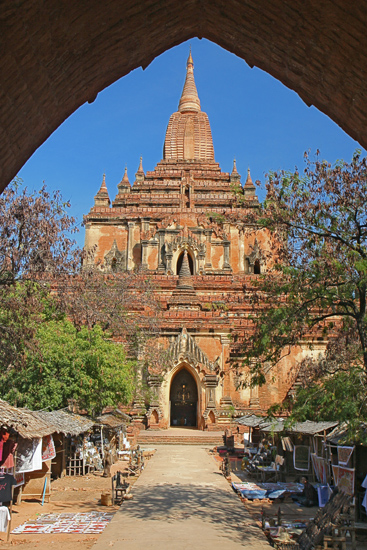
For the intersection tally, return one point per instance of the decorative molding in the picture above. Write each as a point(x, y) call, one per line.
point(184, 348)
point(115, 259)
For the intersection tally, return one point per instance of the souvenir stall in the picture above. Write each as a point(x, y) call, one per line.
point(26, 449)
point(348, 461)
point(303, 445)
point(299, 450)
point(70, 431)
point(110, 436)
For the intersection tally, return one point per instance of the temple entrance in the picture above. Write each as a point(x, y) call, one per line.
point(183, 398)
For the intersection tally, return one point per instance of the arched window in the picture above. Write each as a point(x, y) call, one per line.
point(187, 197)
point(257, 270)
point(114, 264)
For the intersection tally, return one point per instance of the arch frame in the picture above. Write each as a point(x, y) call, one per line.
point(167, 385)
point(73, 53)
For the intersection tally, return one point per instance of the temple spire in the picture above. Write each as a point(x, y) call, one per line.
point(125, 178)
point(139, 176)
point(189, 99)
point(124, 185)
point(248, 179)
point(140, 169)
point(249, 188)
point(234, 170)
point(102, 198)
point(235, 176)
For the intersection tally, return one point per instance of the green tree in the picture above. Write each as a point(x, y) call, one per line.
point(319, 281)
point(46, 359)
point(317, 287)
point(83, 365)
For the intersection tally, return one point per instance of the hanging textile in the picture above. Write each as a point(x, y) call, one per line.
point(4, 518)
point(344, 454)
point(320, 468)
point(29, 455)
point(344, 479)
point(301, 458)
point(48, 448)
point(287, 444)
point(6, 483)
point(7, 456)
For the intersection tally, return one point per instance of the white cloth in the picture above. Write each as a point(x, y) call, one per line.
point(29, 455)
point(37, 457)
point(4, 518)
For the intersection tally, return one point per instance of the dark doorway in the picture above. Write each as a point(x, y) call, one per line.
point(183, 397)
point(179, 263)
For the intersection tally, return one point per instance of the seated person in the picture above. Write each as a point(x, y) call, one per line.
point(308, 497)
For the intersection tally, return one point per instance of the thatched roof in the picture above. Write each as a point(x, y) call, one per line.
point(65, 422)
point(342, 435)
point(32, 424)
point(23, 421)
point(111, 420)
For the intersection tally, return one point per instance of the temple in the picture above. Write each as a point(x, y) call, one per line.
point(173, 222)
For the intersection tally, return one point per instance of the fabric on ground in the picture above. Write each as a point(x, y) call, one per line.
point(87, 522)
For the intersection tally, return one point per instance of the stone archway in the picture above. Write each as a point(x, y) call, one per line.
point(76, 49)
point(183, 399)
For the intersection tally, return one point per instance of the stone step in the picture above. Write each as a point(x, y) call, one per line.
point(212, 441)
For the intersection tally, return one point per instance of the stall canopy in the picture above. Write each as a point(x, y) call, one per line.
point(111, 421)
point(36, 424)
point(340, 433)
point(65, 422)
point(25, 422)
point(278, 425)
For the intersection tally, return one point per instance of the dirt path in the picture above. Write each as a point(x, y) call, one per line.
point(71, 495)
point(182, 501)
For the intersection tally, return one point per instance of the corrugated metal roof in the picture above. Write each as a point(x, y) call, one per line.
point(277, 425)
point(312, 428)
point(273, 426)
point(252, 421)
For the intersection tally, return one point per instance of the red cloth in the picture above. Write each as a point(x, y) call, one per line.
point(7, 459)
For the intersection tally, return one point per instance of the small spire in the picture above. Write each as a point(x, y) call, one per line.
point(184, 277)
point(249, 182)
point(139, 176)
point(140, 169)
point(189, 99)
point(124, 185)
point(249, 188)
point(125, 179)
point(102, 198)
point(234, 170)
point(104, 186)
point(235, 176)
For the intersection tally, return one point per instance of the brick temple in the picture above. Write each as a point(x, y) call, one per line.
point(167, 222)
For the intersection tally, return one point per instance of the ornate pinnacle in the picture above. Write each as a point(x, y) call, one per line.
point(189, 99)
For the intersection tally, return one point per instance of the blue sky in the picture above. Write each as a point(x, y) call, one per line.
point(253, 117)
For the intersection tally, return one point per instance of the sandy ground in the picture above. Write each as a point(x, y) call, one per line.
point(68, 494)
